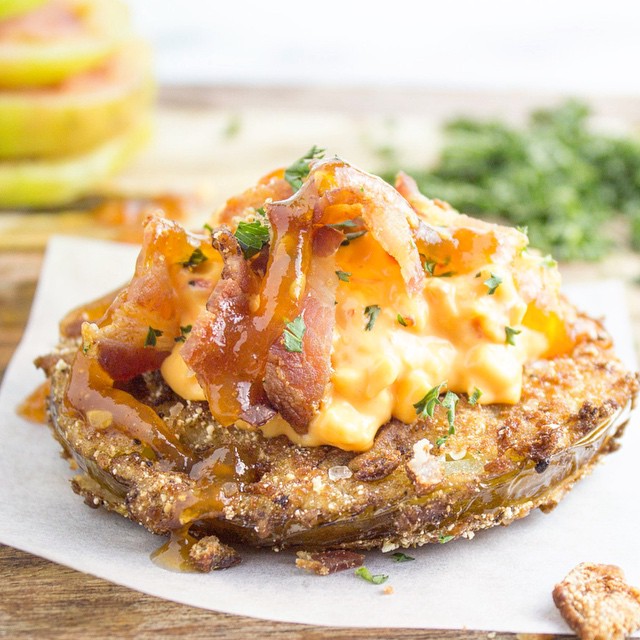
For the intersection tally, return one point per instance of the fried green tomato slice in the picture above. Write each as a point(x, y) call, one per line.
point(10, 8)
point(78, 114)
point(58, 40)
point(47, 183)
point(414, 486)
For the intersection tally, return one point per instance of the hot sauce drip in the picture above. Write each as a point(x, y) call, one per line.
point(34, 406)
point(92, 395)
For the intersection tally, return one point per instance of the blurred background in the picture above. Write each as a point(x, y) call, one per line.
point(526, 112)
point(571, 46)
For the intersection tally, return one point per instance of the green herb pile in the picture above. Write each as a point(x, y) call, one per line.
point(556, 176)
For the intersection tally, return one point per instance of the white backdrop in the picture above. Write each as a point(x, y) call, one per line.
point(580, 46)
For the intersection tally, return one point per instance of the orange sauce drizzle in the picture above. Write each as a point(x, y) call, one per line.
point(34, 406)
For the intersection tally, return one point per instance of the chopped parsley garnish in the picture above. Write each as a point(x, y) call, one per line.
point(350, 237)
point(402, 321)
point(557, 174)
point(152, 334)
point(261, 212)
point(293, 334)
point(343, 275)
point(398, 556)
point(427, 405)
point(207, 227)
point(252, 236)
point(510, 334)
point(195, 259)
point(299, 170)
point(475, 396)
point(445, 539)
point(493, 283)
point(430, 268)
point(449, 403)
point(365, 574)
point(343, 225)
point(184, 332)
point(372, 312)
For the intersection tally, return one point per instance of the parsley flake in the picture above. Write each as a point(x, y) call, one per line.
point(493, 283)
point(449, 403)
point(343, 275)
point(372, 312)
point(427, 405)
point(293, 334)
point(510, 334)
point(299, 170)
point(252, 236)
point(444, 539)
point(261, 212)
point(184, 331)
point(401, 557)
point(343, 225)
point(475, 396)
point(350, 237)
point(402, 321)
point(152, 334)
point(207, 227)
point(430, 267)
point(365, 574)
point(195, 259)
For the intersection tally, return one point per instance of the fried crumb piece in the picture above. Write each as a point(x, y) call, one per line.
point(388, 590)
point(597, 603)
point(323, 563)
point(209, 554)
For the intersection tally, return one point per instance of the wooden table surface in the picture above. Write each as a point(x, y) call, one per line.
point(215, 142)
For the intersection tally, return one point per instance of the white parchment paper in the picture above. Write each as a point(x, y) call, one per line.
point(501, 580)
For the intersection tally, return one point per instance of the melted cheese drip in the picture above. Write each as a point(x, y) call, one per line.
point(456, 333)
point(192, 301)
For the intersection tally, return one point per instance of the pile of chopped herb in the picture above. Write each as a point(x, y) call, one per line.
point(555, 176)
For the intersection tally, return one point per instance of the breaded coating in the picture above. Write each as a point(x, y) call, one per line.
point(209, 554)
point(322, 563)
point(597, 603)
point(407, 490)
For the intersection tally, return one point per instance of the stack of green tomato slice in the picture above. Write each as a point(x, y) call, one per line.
point(75, 96)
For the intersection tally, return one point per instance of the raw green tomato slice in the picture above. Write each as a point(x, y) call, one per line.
point(81, 112)
point(58, 40)
point(47, 183)
point(10, 8)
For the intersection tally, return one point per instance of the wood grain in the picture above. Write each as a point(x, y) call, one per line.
point(194, 151)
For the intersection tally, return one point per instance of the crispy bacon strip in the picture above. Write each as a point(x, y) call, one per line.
point(211, 349)
point(93, 311)
point(271, 187)
point(250, 363)
point(295, 381)
point(442, 233)
point(386, 214)
point(232, 378)
point(150, 301)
